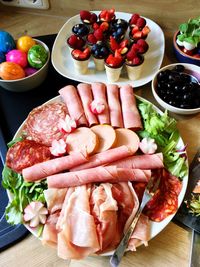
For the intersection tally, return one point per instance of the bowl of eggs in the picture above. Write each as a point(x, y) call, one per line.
point(176, 88)
point(23, 63)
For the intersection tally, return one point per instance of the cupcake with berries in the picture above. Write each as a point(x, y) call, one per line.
point(134, 63)
point(99, 52)
point(81, 60)
point(138, 28)
point(113, 65)
point(75, 42)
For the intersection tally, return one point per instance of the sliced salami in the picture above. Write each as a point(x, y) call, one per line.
point(26, 153)
point(42, 123)
point(165, 201)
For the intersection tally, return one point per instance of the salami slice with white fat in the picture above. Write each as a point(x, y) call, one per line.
point(42, 123)
point(26, 153)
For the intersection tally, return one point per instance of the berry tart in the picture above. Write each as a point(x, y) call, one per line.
point(81, 59)
point(134, 62)
point(113, 65)
point(99, 52)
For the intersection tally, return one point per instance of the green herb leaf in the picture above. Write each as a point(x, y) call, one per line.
point(183, 27)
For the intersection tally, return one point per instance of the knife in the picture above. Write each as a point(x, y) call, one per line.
point(185, 217)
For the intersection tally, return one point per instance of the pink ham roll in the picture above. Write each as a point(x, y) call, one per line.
point(144, 162)
point(85, 93)
point(42, 170)
point(99, 94)
point(131, 116)
point(114, 106)
point(95, 175)
point(72, 100)
point(105, 157)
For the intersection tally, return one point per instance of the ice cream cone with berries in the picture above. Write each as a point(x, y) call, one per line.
point(113, 66)
point(81, 60)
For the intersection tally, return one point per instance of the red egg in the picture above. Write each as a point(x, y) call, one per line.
point(17, 56)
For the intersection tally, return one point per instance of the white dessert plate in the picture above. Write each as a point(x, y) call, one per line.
point(155, 227)
point(62, 61)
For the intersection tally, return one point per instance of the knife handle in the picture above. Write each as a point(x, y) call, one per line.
point(195, 250)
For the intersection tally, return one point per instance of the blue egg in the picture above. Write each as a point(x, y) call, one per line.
point(7, 42)
point(2, 57)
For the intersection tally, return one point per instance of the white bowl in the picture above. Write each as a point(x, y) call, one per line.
point(193, 69)
point(30, 82)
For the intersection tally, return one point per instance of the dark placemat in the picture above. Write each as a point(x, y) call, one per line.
point(14, 108)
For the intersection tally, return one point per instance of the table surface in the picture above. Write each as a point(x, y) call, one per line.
point(172, 246)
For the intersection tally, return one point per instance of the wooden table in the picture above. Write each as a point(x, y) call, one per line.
point(172, 246)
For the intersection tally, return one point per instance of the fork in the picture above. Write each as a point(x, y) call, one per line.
point(150, 190)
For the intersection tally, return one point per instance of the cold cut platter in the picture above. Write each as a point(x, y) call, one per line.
point(63, 62)
point(77, 168)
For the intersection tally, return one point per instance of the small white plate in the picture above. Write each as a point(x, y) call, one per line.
point(62, 61)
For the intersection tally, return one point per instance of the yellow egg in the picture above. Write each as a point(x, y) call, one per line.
point(11, 71)
point(24, 43)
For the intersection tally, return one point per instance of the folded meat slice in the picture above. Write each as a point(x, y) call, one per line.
point(77, 237)
point(42, 170)
point(99, 174)
point(72, 100)
point(131, 116)
point(54, 198)
point(99, 95)
point(105, 157)
point(49, 234)
point(85, 93)
point(144, 162)
point(114, 106)
point(104, 209)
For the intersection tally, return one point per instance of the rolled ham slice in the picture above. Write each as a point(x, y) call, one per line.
point(131, 116)
point(77, 237)
point(105, 157)
point(85, 93)
point(114, 104)
point(72, 100)
point(144, 162)
point(110, 174)
point(42, 170)
point(99, 94)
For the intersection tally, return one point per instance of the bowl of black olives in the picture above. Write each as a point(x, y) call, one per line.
point(176, 87)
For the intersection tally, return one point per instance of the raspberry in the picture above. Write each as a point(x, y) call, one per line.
point(98, 34)
point(72, 40)
point(93, 18)
point(141, 22)
point(136, 61)
point(134, 19)
point(104, 26)
point(143, 45)
point(91, 38)
point(85, 15)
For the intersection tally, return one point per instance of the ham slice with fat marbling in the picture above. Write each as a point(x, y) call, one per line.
point(131, 116)
point(104, 158)
point(85, 93)
point(99, 95)
point(110, 174)
point(72, 100)
point(77, 237)
point(144, 162)
point(42, 170)
point(114, 104)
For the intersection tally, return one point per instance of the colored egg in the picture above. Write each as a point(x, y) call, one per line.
point(7, 42)
point(24, 43)
point(30, 71)
point(37, 56)
point(17, 56)
point(11, 71)
point(2, 57)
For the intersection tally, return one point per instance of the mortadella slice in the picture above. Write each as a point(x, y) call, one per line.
point(99, 174)
point(114, 104)
point(42, 170)
point(105, 157)
point(99, 94)
point(131, 116)
point(72, 100)
point(144, 162)
point(85, 93)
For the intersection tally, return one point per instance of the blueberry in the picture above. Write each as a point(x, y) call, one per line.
point(179, 68)
point(80, 30)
